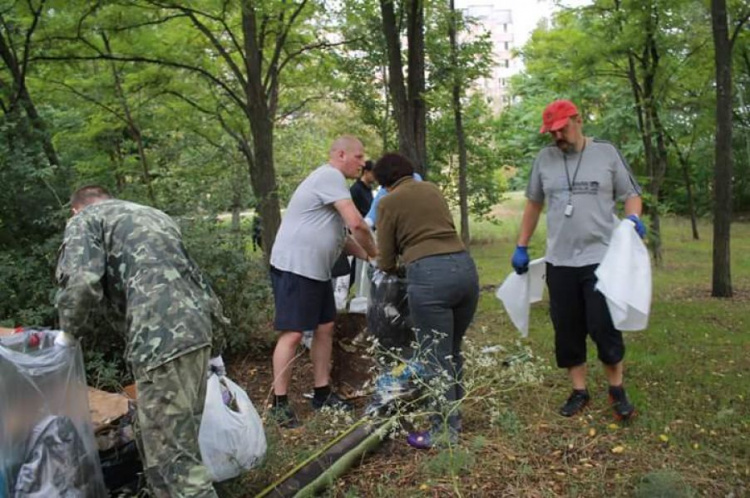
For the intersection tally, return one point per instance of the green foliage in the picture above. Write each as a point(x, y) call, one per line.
point(105, 372)
point(450, 462)
point(31, 219)
point(485, 180)
point(240, 281)
point(27, 285)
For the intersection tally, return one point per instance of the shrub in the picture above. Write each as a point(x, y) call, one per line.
point(240, 280)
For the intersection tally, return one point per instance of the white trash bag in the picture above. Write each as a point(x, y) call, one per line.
point(363, 283)
point(624, 277)
point(518, 292)
point(231, 436)
point(341, 292)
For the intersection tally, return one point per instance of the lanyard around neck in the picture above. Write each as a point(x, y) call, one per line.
point(575, 173)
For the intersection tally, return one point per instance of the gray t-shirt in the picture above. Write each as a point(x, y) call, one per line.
point(603, 178)
point(312, 232)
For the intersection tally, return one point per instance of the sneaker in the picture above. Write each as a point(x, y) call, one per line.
point(576, 402)
point(284, 416)
point(622, 408)
point(332, 401)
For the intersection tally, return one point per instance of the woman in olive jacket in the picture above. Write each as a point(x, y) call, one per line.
point(415, 229)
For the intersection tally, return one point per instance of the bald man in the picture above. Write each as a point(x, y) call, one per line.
point(310, 239)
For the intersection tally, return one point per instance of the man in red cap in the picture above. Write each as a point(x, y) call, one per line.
point(581, 179)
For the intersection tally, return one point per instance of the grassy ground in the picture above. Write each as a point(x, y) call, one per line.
point(688, 375)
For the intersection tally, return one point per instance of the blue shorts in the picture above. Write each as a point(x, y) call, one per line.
point(301, 303)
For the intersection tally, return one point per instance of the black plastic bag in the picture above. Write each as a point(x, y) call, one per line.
point(388, 318)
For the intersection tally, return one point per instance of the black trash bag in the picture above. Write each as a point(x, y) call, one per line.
point(388, 318)
point(120, 461)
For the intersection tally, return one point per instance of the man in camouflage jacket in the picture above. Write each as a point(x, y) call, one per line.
point(130, 259)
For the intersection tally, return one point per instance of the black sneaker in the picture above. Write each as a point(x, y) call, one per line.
point(622, 408)
point(284, 416)
point(576, 402)
point(332, 401)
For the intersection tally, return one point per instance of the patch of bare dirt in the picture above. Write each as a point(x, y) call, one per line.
point(351, 370)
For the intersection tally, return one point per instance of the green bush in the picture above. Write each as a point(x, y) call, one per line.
point(240, 280)
point(27, 285)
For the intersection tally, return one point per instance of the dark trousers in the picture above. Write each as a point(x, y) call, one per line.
point(443, 291)
point(578, 310)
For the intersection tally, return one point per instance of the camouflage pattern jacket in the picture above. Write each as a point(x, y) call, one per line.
point(130, 260)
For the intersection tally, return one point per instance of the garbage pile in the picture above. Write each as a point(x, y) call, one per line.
point(47, 445)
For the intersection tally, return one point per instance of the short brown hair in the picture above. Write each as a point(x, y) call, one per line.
point(87, 194)
point(391, 168)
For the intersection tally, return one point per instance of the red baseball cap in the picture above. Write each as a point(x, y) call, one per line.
point(557, 114)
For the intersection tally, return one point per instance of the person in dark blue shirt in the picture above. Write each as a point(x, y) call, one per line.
point(361, 192)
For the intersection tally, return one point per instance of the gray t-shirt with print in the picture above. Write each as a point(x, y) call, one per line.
point(602, 179)
point(312, 232)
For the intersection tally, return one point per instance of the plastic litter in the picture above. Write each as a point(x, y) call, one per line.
point(231, 436)
point(518, 292)
point(362, 282)
point(624, 277)
point(399, 384)
point(47, 445)
point(388, 318)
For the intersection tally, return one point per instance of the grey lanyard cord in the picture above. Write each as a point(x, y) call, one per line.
point(575, 173)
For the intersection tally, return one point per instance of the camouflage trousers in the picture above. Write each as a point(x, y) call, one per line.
point(170, 406)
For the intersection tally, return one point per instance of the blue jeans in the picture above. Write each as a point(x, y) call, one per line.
point(443, 292)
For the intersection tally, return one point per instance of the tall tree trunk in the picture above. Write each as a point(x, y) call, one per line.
point(690, 199)
point(722, 278)
point(416, 80)
point(260, 108)
point(20, 94)
point(409, 109)
point(463, 194)
point(662, 161)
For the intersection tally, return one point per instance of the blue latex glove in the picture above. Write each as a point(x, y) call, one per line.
point(640, 228)
point(520, 260)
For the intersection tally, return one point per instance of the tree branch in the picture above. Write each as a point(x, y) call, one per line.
point(743, 19)
point(195, 105)
point(147, 60)
point(283, 115)
point(29, 33)
point(272, 75)
point(314, 46)
point(217, 45)
point(91, 100)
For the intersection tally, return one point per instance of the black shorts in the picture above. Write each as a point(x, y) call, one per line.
point(578, 310)
point(301, 303)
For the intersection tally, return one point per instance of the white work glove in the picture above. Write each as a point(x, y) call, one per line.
point(216, 365)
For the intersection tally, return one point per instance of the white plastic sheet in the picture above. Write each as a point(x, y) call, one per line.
point(231, 442)
point(624, 277)
point(341, 292)
point(362, 287)
point(517, 293)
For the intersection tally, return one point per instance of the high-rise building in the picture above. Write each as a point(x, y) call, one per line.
point(509, 23)
point(497, 20)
